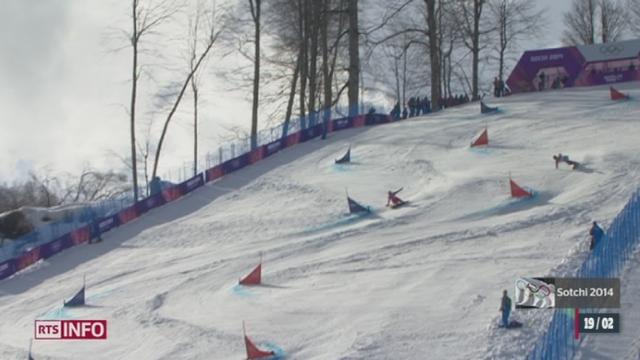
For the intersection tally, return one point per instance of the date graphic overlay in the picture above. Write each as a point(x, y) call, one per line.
point(604, 323)
point(70, 330)
point(576, 294)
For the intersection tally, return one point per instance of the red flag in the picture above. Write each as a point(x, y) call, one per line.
point(617, 95)
point(254, 277)
point(483, 139)
point(517, 191)
point(252, 350)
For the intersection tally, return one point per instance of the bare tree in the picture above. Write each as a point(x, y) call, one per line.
point(633, 7)
point(94, 185)
point(354, 57)
point(470, 17)
point(47, 187)
point(195, 79)
point(256, 9)
point(146, 17)
point(613, 20)
point(516, 20)
point(212, 35)
point(434, 52)
point(326, 75)
point(581, 23)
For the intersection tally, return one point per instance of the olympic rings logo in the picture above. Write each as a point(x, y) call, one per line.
point(611, 49)
point(539, 291)
point(534, 292)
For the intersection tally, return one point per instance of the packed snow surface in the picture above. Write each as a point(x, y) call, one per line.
point(419, 282)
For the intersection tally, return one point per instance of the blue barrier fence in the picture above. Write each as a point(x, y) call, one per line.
point(12, 248)
point(75, 219)
point(606, 260)
point(242, 145)
point(99, 218)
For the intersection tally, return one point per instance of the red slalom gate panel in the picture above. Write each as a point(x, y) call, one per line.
point(254, 278)
point(517, 191)
point(483, 139)
point(252, 350)
point(617, 95)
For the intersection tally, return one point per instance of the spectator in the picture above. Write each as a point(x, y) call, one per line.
point(412, 106)
point(405, 113)
point(496, 87)
point(395, 112)
point(155, 185)
point(596, 233)
point(541, 83)
point(505, 308)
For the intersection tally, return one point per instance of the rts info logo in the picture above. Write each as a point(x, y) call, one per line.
point(71, 330)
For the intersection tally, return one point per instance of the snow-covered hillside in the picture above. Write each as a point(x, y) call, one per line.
point(420, 282)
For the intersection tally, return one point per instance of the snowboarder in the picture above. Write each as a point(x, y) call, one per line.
point(393, 199)
point(505, 308)
point(565, 158)
point(596, 233)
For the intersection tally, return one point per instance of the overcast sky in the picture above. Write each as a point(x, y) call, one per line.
point(64, 92)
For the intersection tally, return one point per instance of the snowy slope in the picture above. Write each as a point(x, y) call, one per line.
point(419, 282)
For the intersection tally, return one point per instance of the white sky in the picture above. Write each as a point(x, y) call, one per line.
point(64, 93)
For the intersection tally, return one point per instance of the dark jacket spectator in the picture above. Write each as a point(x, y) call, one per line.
point(596, 233)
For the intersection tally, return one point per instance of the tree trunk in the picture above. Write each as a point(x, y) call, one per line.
point(503, 37)
point(176, 104)
point(292, 96)
point(326, 76)
point(404, 78)
point(475, 44)
point(132, 111)
point(354, 58)
point(434, 56)
point(255, 10)
point(313, 62)
point(194, 88)
point(304, 65)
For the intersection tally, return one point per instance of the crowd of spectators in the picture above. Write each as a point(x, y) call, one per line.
point(417, 106)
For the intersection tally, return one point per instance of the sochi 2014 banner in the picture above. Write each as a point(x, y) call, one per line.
point(273, 147)
point(237, 163)
point(191, 184)
point(51, 248)
point(28, 258)
point(310, 133)
point(525, 75)
point(7, 269)
point(341, 124)
point(214, 173)
point(108, 223)
point(149, 203)
point(376, 119)
point(127, 214)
